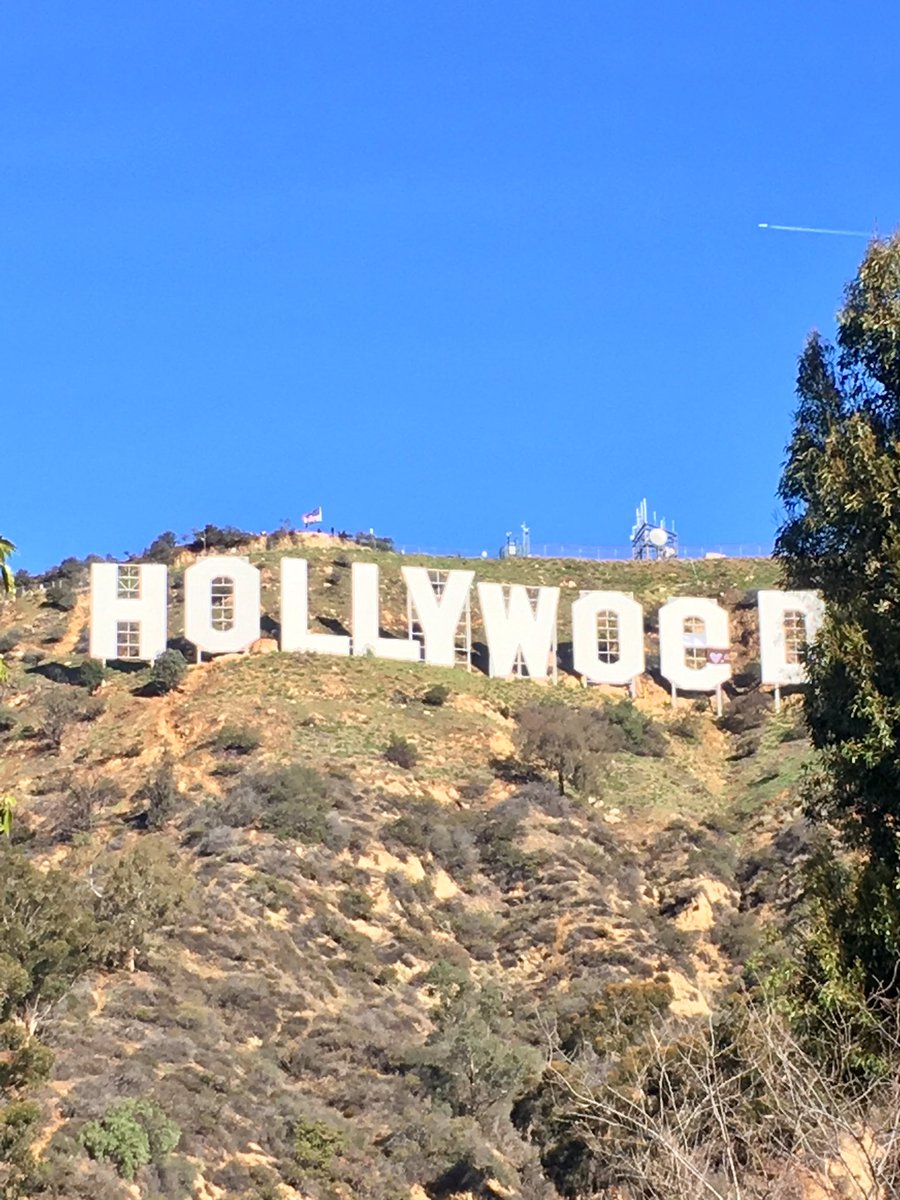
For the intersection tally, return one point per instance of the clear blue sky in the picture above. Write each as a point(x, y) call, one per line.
point(439, 266)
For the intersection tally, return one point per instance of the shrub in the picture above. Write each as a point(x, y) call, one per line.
point(290, 802)
point(316, 1145)
point(91, 709)
point(236, 739)
point(746, 713)
point(48, 936)
point(570, 741)
point(160, 794)
point(356, 904)
point(686, 727)
point(60, 711)
point(130, 1135)
point(371, 542)
point(436, 696)
point(640, 735)
point(430, 828)
point(738, 935)
point(162, 549)
point(473, 1059)
point(215, 537)
point(501, 857)
point(9, 640)
point(85, 800)
point(401, 752)
point(140, 891)
point(7, 719)
point(168, 671)
point(91, 675)
point(62, 595)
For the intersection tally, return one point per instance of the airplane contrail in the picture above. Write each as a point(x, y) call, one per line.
point(808, 229)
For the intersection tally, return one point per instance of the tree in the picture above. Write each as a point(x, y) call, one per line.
point(139, 894)
point(570, 740)
point(168, 671)
point(472, 1060)
point(841, 489)
point(61, 710)
point(7, 582)
point(732, 1108)
point(7, 808)
point(46, 938)
point(131, 1134)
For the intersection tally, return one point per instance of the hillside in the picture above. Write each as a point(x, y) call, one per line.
point(341, 930)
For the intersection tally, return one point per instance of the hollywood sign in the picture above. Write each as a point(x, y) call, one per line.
point(129, 606)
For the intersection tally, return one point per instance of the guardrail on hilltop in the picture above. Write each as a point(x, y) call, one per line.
point(599, 553)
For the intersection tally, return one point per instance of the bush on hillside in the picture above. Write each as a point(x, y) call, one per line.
point(160, 796)
point(139, 892)
point(371, 542)
point(474, 1058)
point(215, 537)
point(162, 549)
point(571, 741)
point(436, 695)
point(746, 712)
point(401, 752)
point(296, 801)
point(315, 1146)
point(236, 739)
point(356, 904)
point(91, 675)
point(9, 639)
point(640, 734)
point(60, 711)
point(290, 802)
point(168, 671)
point(131, 1134)
point(61, 595)
point(430, 828)
point(84, 802)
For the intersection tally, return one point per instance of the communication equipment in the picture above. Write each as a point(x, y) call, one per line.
point(651, 539)
point(517, 547)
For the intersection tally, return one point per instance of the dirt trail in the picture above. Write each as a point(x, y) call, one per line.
point(171, 736)
point(78, 619)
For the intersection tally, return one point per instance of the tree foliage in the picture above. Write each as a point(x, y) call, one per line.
point(472, 1060)
point(571, 741)
point(168, 671)
point(141, 892)
point(841, 489)
point(7, 581)
point(46, 937)
point(130, 1135)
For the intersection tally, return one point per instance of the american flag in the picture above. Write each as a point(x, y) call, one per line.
point(314, 517)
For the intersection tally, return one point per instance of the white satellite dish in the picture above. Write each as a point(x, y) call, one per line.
point(657, 537)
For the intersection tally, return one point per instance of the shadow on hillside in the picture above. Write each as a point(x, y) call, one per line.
point(148, 691)
point(333, 625)
point(565, 658)
point(480, 657)
point(184, 647)
point(512, 770)
point(56, 672)
point(123, 667)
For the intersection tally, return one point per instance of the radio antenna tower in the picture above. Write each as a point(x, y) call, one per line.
point(651, 539)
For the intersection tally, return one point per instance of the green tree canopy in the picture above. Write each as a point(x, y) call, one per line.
point(841, 489)
point(7, 583)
